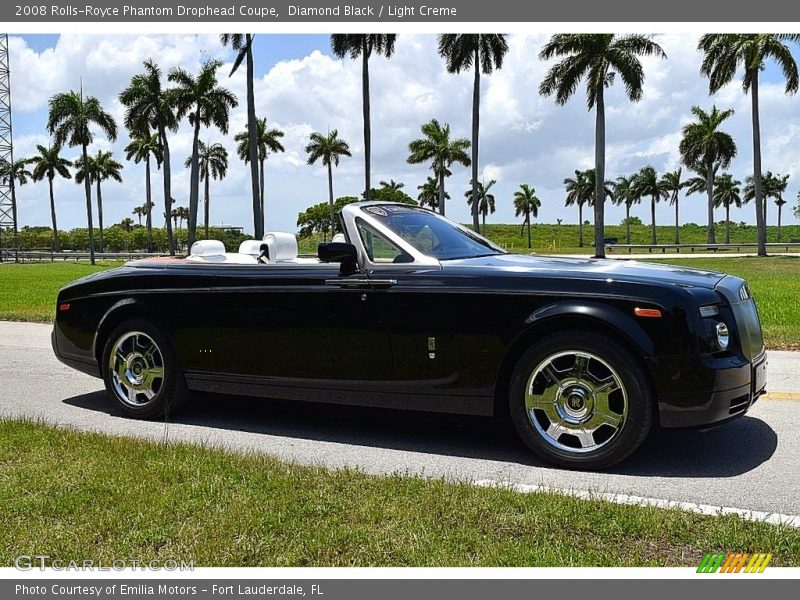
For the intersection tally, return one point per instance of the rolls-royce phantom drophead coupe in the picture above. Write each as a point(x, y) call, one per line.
point(408, 310)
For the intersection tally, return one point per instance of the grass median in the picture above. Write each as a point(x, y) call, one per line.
point(75, 495)
point(28, 292)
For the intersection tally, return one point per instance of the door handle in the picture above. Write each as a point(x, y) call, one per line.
point(362, 283)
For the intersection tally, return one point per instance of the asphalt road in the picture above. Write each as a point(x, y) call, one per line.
point(752, 463)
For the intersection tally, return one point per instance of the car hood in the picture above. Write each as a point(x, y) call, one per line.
point(592, 268)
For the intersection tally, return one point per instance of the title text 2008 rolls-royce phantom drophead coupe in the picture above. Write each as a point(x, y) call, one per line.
point(410, 310)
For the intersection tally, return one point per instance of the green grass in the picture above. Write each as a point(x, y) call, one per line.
point(78, 496)
point(28, 291)
point(775, 283)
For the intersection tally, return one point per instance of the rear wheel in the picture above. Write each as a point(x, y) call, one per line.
point(581, 400)
point(141, 372)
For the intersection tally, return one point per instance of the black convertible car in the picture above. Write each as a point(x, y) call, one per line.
point(409, 310)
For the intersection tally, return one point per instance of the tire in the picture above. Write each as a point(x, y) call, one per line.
point(590, 404)
point(144, 380)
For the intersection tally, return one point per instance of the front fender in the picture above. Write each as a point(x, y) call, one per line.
point(625, 324)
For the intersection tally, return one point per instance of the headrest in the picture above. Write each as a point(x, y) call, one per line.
point(207, 248)
point(339, 237)
point(251, 247)
point(282, 246)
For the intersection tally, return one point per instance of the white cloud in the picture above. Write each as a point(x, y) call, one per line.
point(524, 137)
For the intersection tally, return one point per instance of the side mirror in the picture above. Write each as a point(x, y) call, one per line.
point(339, 252)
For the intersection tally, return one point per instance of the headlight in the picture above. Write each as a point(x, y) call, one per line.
point(723, 336)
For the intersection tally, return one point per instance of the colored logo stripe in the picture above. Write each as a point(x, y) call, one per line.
point(734, 563)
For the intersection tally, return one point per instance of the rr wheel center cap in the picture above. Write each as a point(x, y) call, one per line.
point(575, 403)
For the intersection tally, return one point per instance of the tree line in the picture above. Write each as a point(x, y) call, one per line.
point(155, 106)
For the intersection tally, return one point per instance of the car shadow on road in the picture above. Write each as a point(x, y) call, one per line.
point(727, 451)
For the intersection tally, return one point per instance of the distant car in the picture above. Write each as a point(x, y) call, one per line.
point(409, 310)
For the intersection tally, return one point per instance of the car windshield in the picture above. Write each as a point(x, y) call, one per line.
point(431, 234)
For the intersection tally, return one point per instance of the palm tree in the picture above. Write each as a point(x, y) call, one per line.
point(772, 186)
point(49, 163)
point(362, 45)
point(726, 193)
point(213, 163)
point(672, 185)
point(141, 148)
point(781, 183)
point(624, 193)
point(12, 173)
point(328, 149)
point(485, 199)
point(205, 103)
point(243, 44)
point(704, 146)
point(127, 224)
point(429, 193)
point(139, 211)
point(526, 203)
point(438, 148)
point(70, 121)
point(578, 194)
point(646, 183)
point(148, 106)
point(597, 58)
point(482, 52)
point(723, 54)
point(392, 185)
point(101, 167)
point(267, 140)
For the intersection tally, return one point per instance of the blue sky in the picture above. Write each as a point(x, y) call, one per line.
point(302, 88)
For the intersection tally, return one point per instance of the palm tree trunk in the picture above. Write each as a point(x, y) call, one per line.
point(261, 188)
point(677, 222)
point(207, 199)
point(441, 193)
point(483, 224)
point(367, 132)
point(628, 223)
point(330, 199)
point(53, 216)
point(100, 215)
point(148, 195)
point(167, 189)
point(600, 176)
point(761, 224)
point(712, 238)
point(528, 219)
point(252, 142)
point(194, 183)
point(476, 103)
point(653, 239)
point(88, 190)
point(580, 225)
point(727, 223)
point(780, 209)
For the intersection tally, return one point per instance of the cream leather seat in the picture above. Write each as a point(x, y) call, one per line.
point(213, 251)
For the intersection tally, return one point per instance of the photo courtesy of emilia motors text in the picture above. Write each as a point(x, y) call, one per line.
point(434, 298)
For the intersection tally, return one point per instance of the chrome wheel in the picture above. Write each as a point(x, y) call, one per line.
point(137, 369)
point(576, 401)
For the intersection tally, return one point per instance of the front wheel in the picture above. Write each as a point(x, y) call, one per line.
point(141, 372)
point(581, 400)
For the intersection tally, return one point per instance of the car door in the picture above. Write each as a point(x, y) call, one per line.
point(437, 345)
point(298, 325)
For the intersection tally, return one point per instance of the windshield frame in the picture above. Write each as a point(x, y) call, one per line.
point(361, 210)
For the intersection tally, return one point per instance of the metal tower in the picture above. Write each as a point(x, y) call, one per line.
point(8, 208)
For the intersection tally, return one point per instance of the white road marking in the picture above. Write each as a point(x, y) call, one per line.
point(703, 509)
